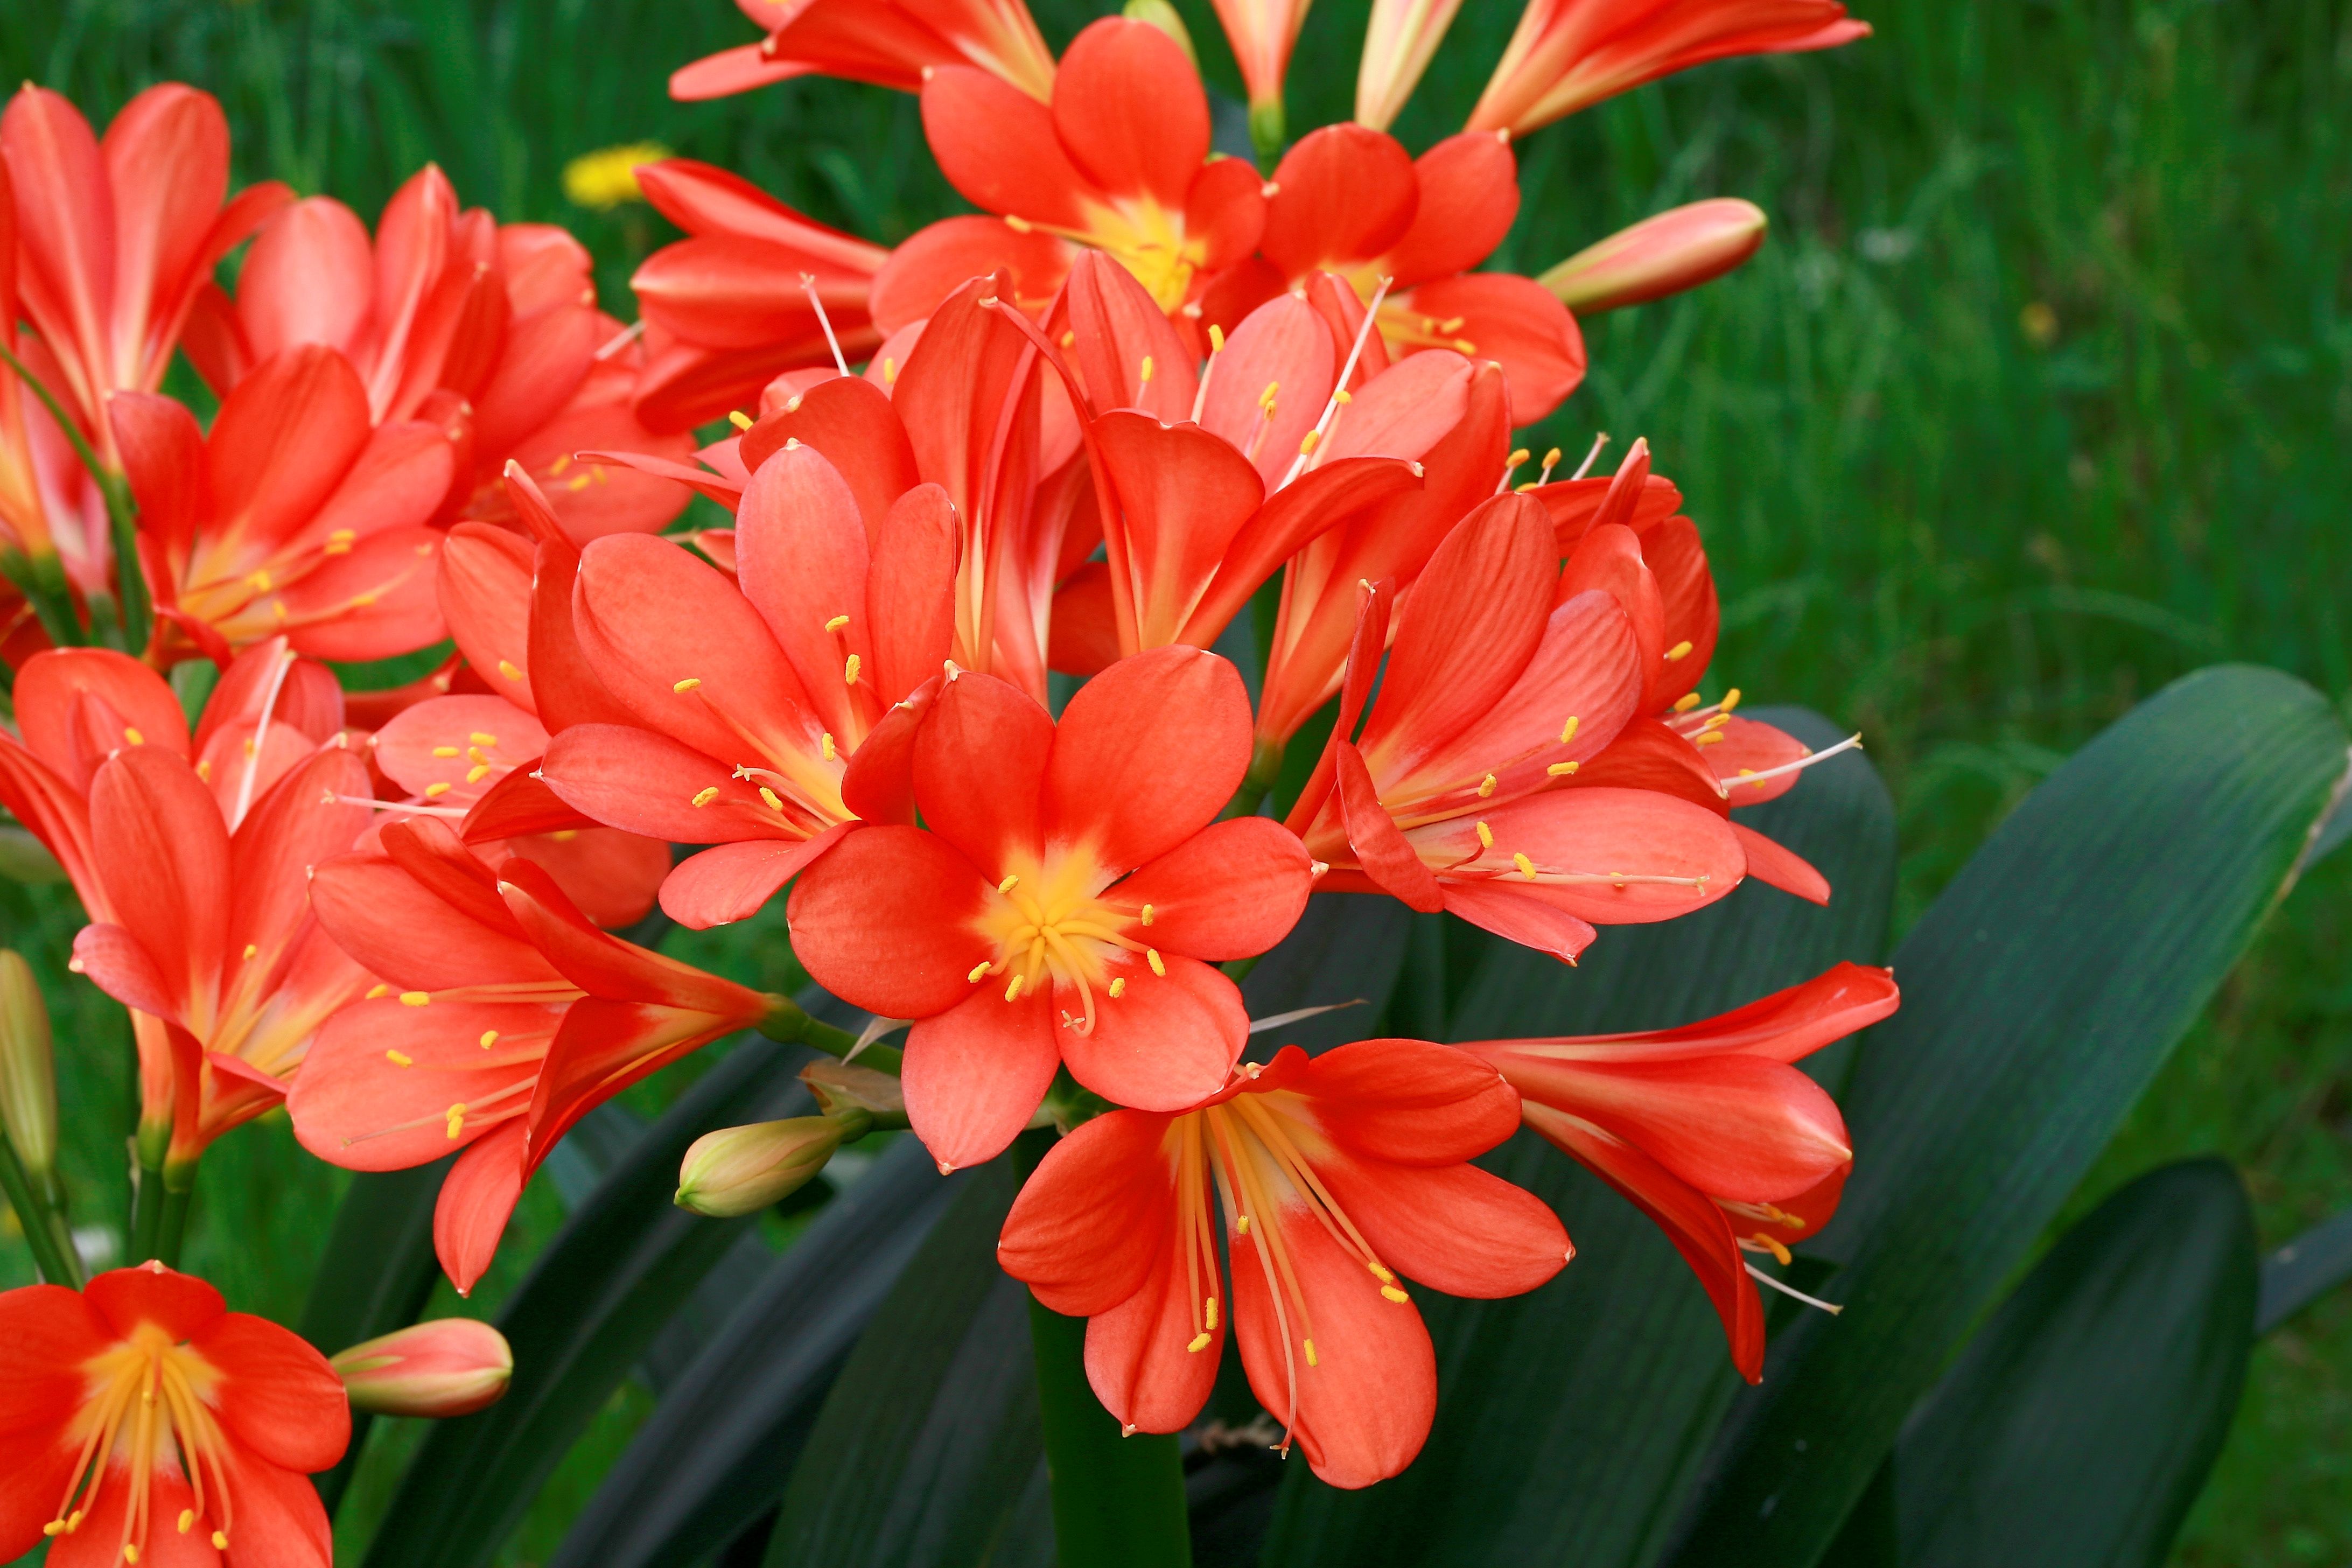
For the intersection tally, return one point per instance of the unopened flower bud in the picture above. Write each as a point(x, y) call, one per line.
point(450, 1366)
point(1659, 256)
point(1164, 16)
point(841, 1087)
point(741, 1170)
point(28, 1080)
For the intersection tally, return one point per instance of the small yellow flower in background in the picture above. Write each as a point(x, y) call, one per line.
point(2039, 324)
point(605, 178)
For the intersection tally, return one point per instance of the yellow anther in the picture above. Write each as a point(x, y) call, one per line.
point(1486, 786)
point(706, 794)
point(738, 418)
point(1118, 986)
point(1265, 399)
point(889, 370)
point(1241, 1226)
point(1708, 737)
point(1216, 339)
point(1306, 443)
point(1527, 867)
point(400, 1058)
point(220, 1541)
point(379, 989)
point(457, 1114)
point(250, 950)
point(187, 1518)
point(979, 972)
point(849, 671)
point(133, 736)
point(770, 796)
point(836, 623)
point(435, 791)
point(1012, 992)
point(1486, 836)
point(490, 1038)
point(261, 581)
point(1686, 701)
point(1200, 1341)
point(688, 684)
point(1382, 1274)
point(1007, 885)
point(478, 773)
point(1452, 325)
point(483, 738)
point(1551, 458)
point(130, 1549)
point(54, 1527)
point(1146, 914)
point(1311, 1352)
point(1772, 1245)
point(414, 998)
point(1527, 488)
point(475, 754)
point(340, 541)
point(1568, 731)
point(1018, 225)
point(1343, 397)
point(1680, 650)
point(1716, 722)
point(507, 668)
point(205, 771)
point(1464, 346)
point(445, 751)
point(1393, 1294)
point(1151, 956)
point(1146, 377)
point(1208, 1310)
point(1519, 455)
point(1068, 338)
point(1561, 770)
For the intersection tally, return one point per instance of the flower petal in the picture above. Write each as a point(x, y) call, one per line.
point(1344, 194)
point(997, 147)
point(1582, 841)
point(980, 761)
point(1469, 186)
point(278, 1397)
point(180, 1304)
point(884, 923)
point(1778, 866)
point(1129, 112)
point(478, 1197)
point(850, 422)
point(1409, 1102)
point(974, 1074)
point(164, 855)
point(1121, 780)
point(1093, 1220)
point(1516, 322)
point(734, 881)
point(357, 1104)
point(1386, 857)
point(1169, 1042)
point(1454, 1228)
point(1232, 890)
point(1515, 912)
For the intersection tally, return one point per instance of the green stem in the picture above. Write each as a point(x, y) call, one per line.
point(179, 1188)
point(122, 511)
point(42, 579)
point(1119, 1502)
point(1264, 773)
point(57, 1265)
point(146, 1210)
point(787, 1021)
point(1267, 132)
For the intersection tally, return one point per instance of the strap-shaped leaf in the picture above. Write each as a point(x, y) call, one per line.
point(2079, 1425)
point(1603, 1387)
point(928, 1443)
point(2040, 994)
point(721, 1446)
point(2305, 1269)
point(374, 1275)
point(590, 1306)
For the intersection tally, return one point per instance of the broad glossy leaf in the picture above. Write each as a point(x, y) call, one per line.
point(590, 1306)
point(2078, 1426)
point(2305, 1269)
point(720, 1445)
point(1570, 1420)
point(2040, 994)
point(927, 1453)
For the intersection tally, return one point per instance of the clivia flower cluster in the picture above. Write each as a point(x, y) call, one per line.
point(954, 689)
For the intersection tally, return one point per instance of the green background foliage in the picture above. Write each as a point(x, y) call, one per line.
point(2037, 398)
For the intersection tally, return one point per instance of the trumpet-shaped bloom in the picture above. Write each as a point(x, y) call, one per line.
point(1453, 796)
point(504, 1016)
point(1262, 32)
point(117, 237)
point(443, 1368)
point(1337, 1175)
point(295, 515)
point(142, 1422)
point(1066, 902)
point(1707, 1129)
point(445, 302)
point(1568, 55)
point(891, 43)
point(1677, 250)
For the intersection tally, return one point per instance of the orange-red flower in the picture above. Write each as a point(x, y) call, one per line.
point(117, 237)
point(1707, 1129)
point(891, 43)
point(448, 303)
point(53, 524)
point(141, 1422)
point(1500, 688)
point(1337, 1174)
point(297, 514)
point(505, 1016)
point(1677, 250)
point(1066, 902)
point(1568, 55)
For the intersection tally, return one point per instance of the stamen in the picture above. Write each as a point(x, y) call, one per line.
point(688, 684)
point(1561, 770)
point(1201, 1340)
point(808, 281)
point(1850, 743)
point(1486, 837)
point(507, 668)
point(1568, 731)
point(445, 751)
point(1686, 701)
point(414, 998)
point(1487, 788)
point(849, 671)
point(1118, 987)
point(979, 972)
point(1527, 867)
point(1151, 956)
point(1831, 1308)
point(1216, 347)
point(826, 745)
point(1012, 992)
point(1393, 1294)
point(400, 1058)
point(738, 418)
point(435, 791)
point(1007, 885)
point(490, 1038)
point(1599, 442)
point(1551, 461)
point(705, 795)
point(1681, 650)
point(1146, 914)
point(1339, 388)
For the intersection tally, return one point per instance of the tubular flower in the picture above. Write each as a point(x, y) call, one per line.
point(504, 1016)
point(1336, 1175)
point(1066, 902)
point(115, 238)
point(1621, 536)
point(77, 707)
point(1677, 250)
point(1493, 698)
point(143, 1422)
point(1262, 32)
point(211, 927)
point(443, 1369)
point(1568, 55)
point(53, 526)
point(1349, 200)
point(296, 515)
point(1399, 40)
point(448, 303)
point(1709, 1129)
point(891, 43)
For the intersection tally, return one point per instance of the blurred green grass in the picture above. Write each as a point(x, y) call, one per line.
point(2038, 398)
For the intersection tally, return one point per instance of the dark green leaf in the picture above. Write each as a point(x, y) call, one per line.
point(721, 1446)
point(1345, 948)
point(1570, 1420)
point(925, 1451)
point(587, 1311)
point(2079, 1425)
point(375, 1275)
point(2040, 994)
point(2304, 1270)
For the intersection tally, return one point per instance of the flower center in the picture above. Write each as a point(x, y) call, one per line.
point(1048, 927)
point(147, 1410)
point(1148, 240)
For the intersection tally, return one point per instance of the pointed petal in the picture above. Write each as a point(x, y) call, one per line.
point(974, 1074)
point(1345, 195)
point(1517, 913)
point(1594, 835)
point(1131, 112)
point(278, 1399)
point(1169, 1042)
point(115, 962)
point(1409, 1102)
point(1607, 559)
point(1232, 890)
point(1784, 1026)
point(477, 1197)
point(484, 590)
point(53, 684)
point(1386, 857)
point(355, 1103)
point(941, 257)
point(981, 761)
point(436, 743)
point(612, 876)
point(1140, 1357)
point(734, 881)
point(1282, 353)
point(801, 555)
point(1648, 755)
point(1093, 1220)
point(1183, 495)
point(283, 441)
point(309, 278)
point(1748, 747)
point(851, 424)
point(909, 592)
point(1469, 187)
point(1780, 868)
point(164, 855)
point(1518, 323)
point(997, 147)
point(1115, 782)
point(1455, 1228)
point(884, 923)
point(1117, 325)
